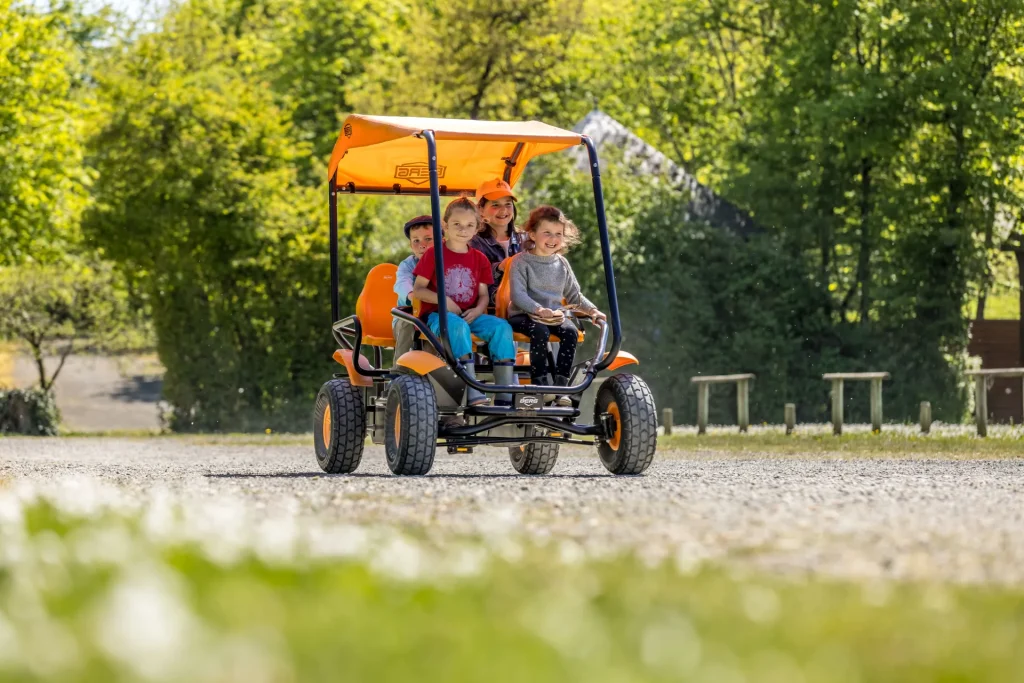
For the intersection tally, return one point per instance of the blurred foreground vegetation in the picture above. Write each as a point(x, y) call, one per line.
point(94, 588)
point(881, 161)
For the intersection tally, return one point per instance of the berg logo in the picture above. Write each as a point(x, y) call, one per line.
point(416, 172)
point(527, 402)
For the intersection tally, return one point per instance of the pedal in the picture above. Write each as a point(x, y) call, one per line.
point(459, 449)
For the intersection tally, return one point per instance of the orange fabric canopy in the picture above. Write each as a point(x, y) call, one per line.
point(379, 152)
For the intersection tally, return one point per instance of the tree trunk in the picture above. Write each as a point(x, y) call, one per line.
point(986, 282)
point(864, 258)
point(37, 356)
point(481, 88)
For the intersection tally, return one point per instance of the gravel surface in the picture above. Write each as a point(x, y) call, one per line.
point(959, 520)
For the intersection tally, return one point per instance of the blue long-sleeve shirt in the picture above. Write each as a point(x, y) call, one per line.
point(404, 280)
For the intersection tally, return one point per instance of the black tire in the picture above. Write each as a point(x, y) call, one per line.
point(411, 406)
point(533, 458)
point(637, 424)
point(339, 426)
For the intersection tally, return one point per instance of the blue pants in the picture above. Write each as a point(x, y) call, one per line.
point(494, 331)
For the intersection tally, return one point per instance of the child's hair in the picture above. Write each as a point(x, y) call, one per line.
point(484, 225)
point(553, 214)
point(418, 222)
point(459, 204)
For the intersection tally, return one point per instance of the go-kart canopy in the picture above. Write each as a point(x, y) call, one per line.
point(383, 154)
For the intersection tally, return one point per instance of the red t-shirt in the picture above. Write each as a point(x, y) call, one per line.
point(463, 274)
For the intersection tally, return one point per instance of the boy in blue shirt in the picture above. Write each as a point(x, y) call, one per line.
point(420, 233)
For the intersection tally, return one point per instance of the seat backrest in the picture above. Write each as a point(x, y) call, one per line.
point(377, 299)
point(503, 297)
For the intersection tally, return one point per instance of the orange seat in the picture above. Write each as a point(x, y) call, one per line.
point(503, 297)
point(373, 307)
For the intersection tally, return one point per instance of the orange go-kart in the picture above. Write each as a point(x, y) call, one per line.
point(401, 407)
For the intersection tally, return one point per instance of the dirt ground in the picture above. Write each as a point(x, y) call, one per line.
point(96, 393)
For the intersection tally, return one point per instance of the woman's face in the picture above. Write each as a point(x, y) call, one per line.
point(498, 213)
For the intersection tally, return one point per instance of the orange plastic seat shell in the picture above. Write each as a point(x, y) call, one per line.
point(344, 356)
point(373, 307)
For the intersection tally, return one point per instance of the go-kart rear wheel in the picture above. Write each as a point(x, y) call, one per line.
point(339, 426)
point(410, 427)
point(533, 458)
point(628, 400)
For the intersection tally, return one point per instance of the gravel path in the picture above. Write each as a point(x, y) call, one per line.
point(957, 520)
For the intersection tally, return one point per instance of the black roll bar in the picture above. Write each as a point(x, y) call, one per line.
point(335, 299)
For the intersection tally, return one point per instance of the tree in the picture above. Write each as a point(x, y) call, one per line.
point(480, 60)
point(68, 303)
point(198, 197)
point(42, 178)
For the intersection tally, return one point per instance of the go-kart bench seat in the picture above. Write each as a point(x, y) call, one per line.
point(373, 308)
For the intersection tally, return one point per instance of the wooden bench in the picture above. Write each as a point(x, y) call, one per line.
point(982, 381)
point(837, 379)
point(742, 398)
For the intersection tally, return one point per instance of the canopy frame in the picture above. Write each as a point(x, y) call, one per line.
point(441, 341)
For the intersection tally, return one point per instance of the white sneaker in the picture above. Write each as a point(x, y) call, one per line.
point(563, 402)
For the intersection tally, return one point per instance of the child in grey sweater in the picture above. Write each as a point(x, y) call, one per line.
point(541, 279)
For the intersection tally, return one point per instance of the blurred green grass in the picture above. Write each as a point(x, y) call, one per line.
point(888, 443)
point(95, 598)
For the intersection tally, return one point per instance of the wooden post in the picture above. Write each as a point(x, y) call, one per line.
point(790, 414)
point(876, 405)
point(666, 420)
point(702, 408)
point(743, 404)
point(926, 417)
point(981, 404)
point(837, 406)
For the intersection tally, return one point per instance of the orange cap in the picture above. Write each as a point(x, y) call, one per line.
point(495, 189)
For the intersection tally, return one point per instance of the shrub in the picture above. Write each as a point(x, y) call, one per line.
point(32, 412)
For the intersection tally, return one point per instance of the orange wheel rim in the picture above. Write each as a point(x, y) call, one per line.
point(398, 424)
point(327, 426)
point(616, 437)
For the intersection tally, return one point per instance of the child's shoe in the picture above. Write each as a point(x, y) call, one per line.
point(562, 401)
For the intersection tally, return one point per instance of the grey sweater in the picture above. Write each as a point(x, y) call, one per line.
point(542, 282)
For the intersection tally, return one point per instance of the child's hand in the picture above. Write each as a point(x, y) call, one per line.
point(598, 315)
point(471, 314)
point(545, 313)
point(452, 306)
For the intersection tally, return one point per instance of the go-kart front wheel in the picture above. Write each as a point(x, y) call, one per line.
point(628, 400)
point(339, 426)
point(533, 458)
point(410, 428)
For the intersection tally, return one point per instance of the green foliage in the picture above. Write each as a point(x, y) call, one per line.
point(42, 179)
point(31, 412)
point(481, 60)
point(698, 300)
point(200, 198)
point(71, 303)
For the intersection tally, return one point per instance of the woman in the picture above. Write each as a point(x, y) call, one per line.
point(497, 238)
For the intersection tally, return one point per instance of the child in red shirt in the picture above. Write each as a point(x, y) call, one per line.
point(467, 272)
